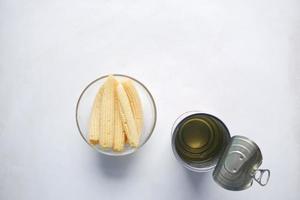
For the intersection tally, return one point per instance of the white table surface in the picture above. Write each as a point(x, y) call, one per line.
point(236, 59)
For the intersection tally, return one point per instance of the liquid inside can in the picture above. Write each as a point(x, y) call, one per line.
point(199, 139)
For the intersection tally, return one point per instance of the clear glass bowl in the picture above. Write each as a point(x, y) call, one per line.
point(84, 106)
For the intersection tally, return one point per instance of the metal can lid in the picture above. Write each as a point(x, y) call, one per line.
point(238, 165)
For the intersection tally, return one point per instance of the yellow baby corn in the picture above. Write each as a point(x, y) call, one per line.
point(107, 114)
point(119, 136)
point(124, 123)
point(94, 126)
point(135, 103)
point(128, 118)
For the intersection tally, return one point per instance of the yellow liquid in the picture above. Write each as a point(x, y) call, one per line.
point(196, 133)
point(200, 138)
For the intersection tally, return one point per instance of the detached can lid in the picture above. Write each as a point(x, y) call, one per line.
point(238, 165)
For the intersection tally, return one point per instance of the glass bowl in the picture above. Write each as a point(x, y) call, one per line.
point(85, 103)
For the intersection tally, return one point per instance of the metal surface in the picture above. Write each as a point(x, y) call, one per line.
point(259, 176)
point(239, 164)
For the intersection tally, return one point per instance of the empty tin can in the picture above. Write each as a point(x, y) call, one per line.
point(201, 142)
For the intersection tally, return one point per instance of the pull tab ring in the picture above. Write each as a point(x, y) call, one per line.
point(259, 174)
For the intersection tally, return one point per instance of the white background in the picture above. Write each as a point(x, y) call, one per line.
point(238, 60)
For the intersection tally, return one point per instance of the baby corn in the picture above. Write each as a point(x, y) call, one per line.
point(94, 126)
point(135, 103)
point(107, 114)
point(119, 136)
point(124, 123)
point(128, 118)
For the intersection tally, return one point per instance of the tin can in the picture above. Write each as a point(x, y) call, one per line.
point(215, 137)
point(201, 142)
point(238, 166)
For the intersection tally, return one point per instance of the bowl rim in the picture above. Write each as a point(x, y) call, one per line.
point(115, 153)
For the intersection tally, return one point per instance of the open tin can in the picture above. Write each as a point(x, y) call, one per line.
point(201, 142)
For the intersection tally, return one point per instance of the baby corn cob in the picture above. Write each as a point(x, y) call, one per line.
point(135, 103)
point(119, 136)
point(124, 123)
point(128, 118)
point(107, 114)
point(94, 126)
